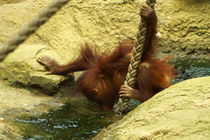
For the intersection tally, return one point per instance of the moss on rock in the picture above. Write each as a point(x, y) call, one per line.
point(21, 68)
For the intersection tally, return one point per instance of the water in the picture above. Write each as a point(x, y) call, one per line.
point(81, 119)
point(188, 68)
point(77, 119)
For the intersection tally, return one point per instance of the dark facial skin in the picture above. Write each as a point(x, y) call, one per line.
point(109, 69)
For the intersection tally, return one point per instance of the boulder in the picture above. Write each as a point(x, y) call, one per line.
point(24, 70)
point(180, 112)
point(183, 29)
point(16, 102)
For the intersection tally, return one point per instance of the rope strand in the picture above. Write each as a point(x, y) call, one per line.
point(122, 106)
point(32, 26)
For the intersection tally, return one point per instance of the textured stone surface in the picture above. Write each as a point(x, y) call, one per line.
point(24, 70)
point(10, 1)
point(16, 102)
point(183, 29)
point(179, 112)
point(184, 25)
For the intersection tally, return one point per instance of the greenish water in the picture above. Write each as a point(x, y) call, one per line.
point(80, 119)
point(188, 68)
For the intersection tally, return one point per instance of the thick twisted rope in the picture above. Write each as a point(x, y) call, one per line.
point(123, 104)
point(32, 26)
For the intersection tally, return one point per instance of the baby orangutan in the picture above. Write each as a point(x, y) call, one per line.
point(104, 74)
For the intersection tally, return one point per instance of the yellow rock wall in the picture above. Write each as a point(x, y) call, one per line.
point(183, 29)
point(183, 25)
